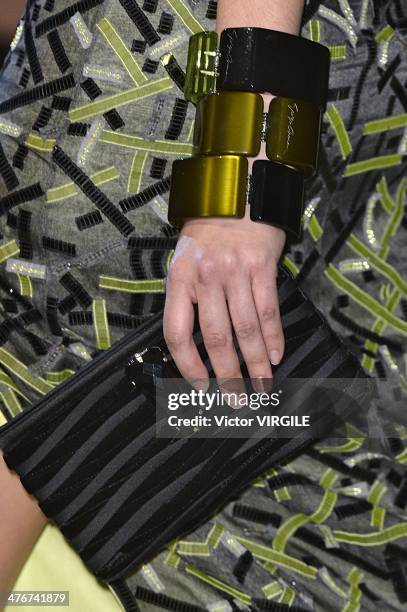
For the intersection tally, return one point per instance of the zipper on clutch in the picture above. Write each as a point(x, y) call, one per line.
point(147, 363)
point(155, 322)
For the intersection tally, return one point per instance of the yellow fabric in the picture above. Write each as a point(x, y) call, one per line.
point(54, 566)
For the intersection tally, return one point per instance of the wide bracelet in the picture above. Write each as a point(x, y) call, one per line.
point(258, 60)
point(208, 186)
point(234, 123)
point(230, 124)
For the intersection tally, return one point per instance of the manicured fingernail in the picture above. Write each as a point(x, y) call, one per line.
point(275, 357)
point(233, 385)
point(234, 392)
point(262, 385)
point(200, 384)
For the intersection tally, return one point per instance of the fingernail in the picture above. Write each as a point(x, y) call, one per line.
point(233, 392)
point(275, 357)
point(200, 384)
point(261, 384)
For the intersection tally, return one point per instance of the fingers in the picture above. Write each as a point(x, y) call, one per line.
point(217, 333)
point(248, 331)
point(178, 327)
point(236, 294)
point(264, 289)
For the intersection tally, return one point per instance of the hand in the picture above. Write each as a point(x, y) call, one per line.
point(229, 268)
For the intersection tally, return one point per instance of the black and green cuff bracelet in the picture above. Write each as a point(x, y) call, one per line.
point(219, 185)
point(258, 60)
point(230, 125)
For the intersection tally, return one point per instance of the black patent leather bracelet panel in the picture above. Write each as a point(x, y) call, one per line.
point(264, 60)
point(276, 196)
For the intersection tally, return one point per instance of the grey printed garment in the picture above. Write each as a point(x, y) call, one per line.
point(85, 246)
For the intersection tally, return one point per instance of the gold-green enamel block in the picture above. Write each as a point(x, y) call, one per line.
point(229, 123)
point(293, 134)
point(200, 77)
point(208, 186)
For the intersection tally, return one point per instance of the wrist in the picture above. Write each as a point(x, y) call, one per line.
point(205, 226)
point(281, 15)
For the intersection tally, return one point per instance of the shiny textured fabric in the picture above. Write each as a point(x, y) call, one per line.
point(74, 282)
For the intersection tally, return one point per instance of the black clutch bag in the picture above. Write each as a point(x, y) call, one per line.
point(88, 451)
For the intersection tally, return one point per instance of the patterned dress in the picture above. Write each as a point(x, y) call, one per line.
point(91, 117)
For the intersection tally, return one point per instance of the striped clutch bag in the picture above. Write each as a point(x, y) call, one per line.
point(88, 451)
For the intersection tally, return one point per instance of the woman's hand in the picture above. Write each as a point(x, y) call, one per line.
point(229, 268)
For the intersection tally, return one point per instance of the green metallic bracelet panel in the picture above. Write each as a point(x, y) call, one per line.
point(293, 134)
point(200, 77)
point(204, 186)
point(229, 123)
